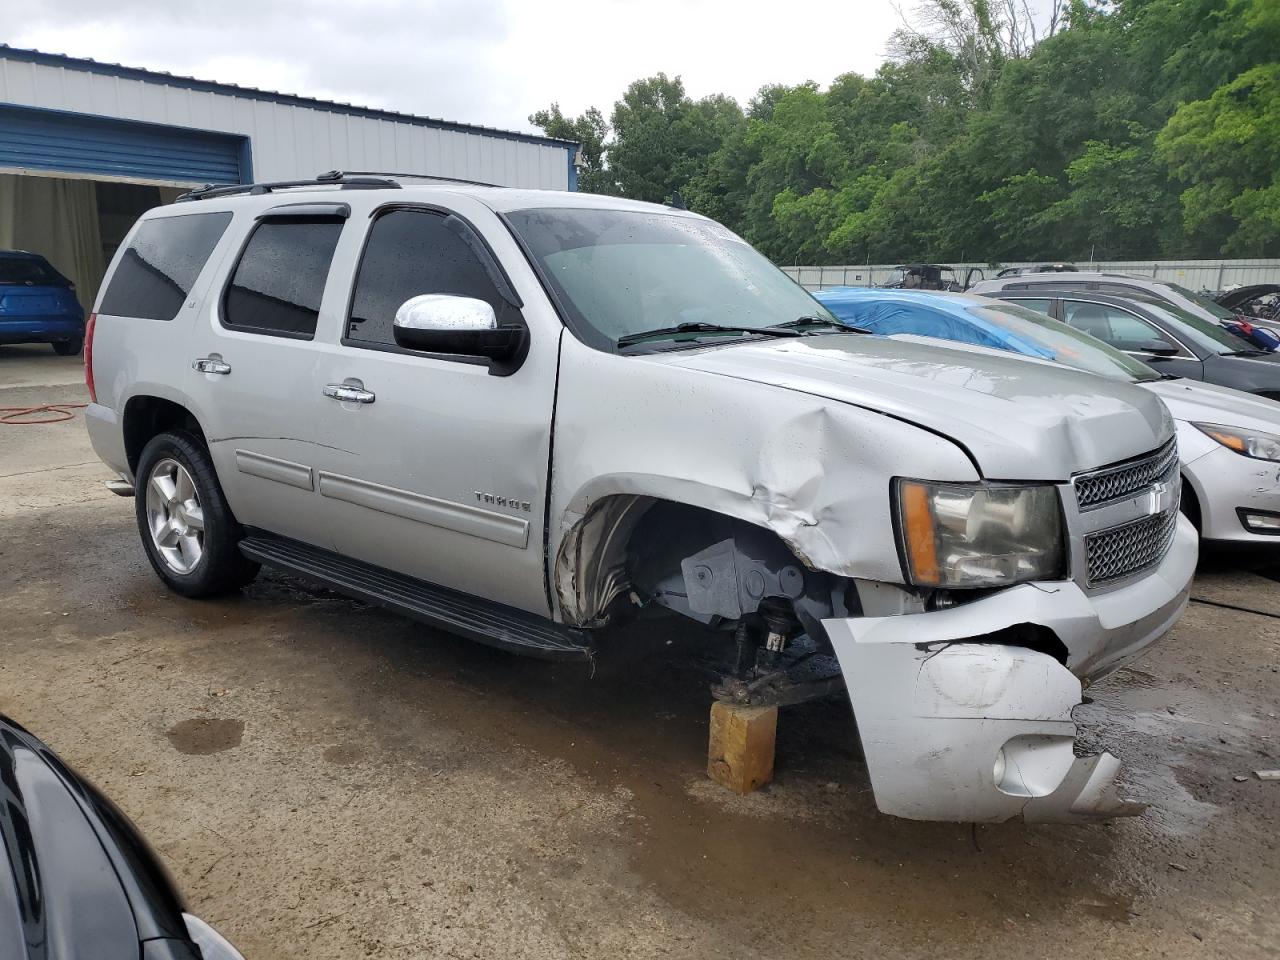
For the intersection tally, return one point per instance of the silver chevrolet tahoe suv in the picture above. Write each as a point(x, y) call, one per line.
point(523, 416)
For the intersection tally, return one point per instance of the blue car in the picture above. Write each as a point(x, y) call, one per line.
point(38, 304)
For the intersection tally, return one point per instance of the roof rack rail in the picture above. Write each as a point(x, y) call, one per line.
point(336, 175)
point(333, 178)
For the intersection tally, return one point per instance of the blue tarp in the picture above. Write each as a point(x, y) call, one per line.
point(888, 312)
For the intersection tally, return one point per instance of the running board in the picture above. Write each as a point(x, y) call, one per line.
point(483, 620)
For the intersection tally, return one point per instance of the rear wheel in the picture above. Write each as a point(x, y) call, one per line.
point(190, 535)
point(68, 348)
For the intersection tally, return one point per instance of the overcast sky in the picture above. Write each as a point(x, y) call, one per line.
point(474, 61)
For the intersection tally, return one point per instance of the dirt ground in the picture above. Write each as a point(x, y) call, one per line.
point(328, 781)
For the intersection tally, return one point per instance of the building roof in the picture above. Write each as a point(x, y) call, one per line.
point(253, 93)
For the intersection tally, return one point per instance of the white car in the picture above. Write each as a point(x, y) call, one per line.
point(524, 416)
point(1228, 441)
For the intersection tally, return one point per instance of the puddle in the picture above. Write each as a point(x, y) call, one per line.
point(199, 735)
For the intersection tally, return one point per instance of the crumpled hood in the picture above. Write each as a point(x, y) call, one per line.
point(1194, 401)
point(1019, 420)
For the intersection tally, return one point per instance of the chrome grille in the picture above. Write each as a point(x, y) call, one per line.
point(1110, 484)
point(1120, 551)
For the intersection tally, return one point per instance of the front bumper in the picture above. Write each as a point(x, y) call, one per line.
point(956, 725)
point(1225, 483)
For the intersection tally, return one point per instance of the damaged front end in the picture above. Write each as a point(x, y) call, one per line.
point(958, 723)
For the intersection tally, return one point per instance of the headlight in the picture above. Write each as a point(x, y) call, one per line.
point(1248, 443)
point(979, 534)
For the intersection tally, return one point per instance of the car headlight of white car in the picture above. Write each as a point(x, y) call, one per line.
point(960, 535)
point(1247, 443)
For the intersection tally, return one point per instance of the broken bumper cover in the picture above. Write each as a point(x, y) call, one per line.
point(954, 728)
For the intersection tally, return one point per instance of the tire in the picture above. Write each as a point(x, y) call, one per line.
point(194, 548)
point(68, 348)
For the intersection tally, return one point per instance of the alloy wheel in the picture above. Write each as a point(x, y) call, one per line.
point(175, 516)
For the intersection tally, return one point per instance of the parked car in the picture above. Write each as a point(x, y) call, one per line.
point(1126, 285)
point(1168, 338)
point(1257, 302)
point(38, 304)
point(1228, 441)
point(78, 879)
point(524, 416)
point(1042, 268)
point(927, 276)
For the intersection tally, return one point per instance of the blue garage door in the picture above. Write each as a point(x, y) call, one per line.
point(75, 143)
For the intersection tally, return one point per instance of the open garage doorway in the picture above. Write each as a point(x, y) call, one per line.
point(74, 223)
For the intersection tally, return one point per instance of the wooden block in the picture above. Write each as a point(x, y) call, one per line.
point(741, 745)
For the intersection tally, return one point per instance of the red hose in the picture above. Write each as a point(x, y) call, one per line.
point(54, 413)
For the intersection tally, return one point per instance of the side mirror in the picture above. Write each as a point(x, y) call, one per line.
point(1160, 348)
point(442, 323)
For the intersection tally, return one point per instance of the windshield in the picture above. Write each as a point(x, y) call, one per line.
point(1198, 330)
point(1068, 345)
point(29, 270)
point(618, 273)
point(1200, 300)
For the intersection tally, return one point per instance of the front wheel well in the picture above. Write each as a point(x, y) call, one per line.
point(1190, 504)
point(643, 548)
point(147, 416)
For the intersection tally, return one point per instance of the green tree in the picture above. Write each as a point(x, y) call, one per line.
point(663, 139)
point(589, 130)
point(1119, 127)
point(1224, 150)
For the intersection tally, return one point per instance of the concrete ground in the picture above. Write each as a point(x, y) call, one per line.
point(328, 781)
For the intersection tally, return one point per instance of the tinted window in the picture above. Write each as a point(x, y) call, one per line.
point(1111, 325)
point(280, 278)
point(1200, 331)
point(30, 270)
point(1043, 306)
point(160, 266)
point(409, 253)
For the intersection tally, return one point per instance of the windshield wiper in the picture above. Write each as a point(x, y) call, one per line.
point(664, 332)
point(807, 322)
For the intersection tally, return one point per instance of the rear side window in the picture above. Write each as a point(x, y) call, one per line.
point(30, 271)
point(412, 252)
point(160, 266)
point(278, 283)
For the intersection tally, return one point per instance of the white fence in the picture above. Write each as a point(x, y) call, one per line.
point(1195, 274)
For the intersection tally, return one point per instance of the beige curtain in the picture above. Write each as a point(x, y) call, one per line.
point(57, 219)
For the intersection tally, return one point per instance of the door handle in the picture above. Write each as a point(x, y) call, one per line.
point(349, 392)
point(213, 364)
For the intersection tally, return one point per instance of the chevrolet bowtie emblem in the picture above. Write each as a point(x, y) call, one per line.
point(1157, 498)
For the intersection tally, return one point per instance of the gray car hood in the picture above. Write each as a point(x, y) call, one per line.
point(1018, 421)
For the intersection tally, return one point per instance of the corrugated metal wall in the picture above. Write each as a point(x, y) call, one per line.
point(1194, 274)
point(289, 140)
point(60, 142)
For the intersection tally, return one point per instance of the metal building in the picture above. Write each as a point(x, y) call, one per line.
point(85, 147)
